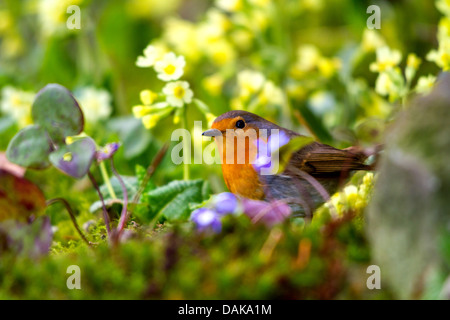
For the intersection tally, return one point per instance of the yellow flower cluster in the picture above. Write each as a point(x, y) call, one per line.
point(52, 15)
point(310, 59)
point(351, 199)
point(176, 93)
point(310, 69)
point(17, 104)
point(391, 81)
point(95, 103)
point(169, 68)
point(145, 9)
point(441, 56)
point(254, 91)
point(11, 43)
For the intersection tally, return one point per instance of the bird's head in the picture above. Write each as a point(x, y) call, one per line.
point(238, 119)
point(239, 130)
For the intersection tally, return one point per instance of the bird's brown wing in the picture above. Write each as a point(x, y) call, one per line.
point(319, 159)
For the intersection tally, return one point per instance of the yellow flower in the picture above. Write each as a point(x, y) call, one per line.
point(182, 36)
point(250, 82)
point(386, 59)
point(170, 67)
point(72, 139)
point(425, 84)
point(152, 119)
point(272, 94)
point(328, 67)
point(17, 104)
point(412, 64)
point(140, 111)
point(210, 118)
point(444, 28)
point(351, 195)
point(53, 16)
point(242, 39)
point(308, 58)
point(152, 54)
point(95, 103)
point(296, 91)
point(413, 61)
point(5, 21)
point(384, 84)
point(151, 8)
point(222, 53)
point(230, 5)
point(443, 6)
point(390, 83)
point(218, 19)
point(213, 84)
point(178, 93)
point(148, 97)
point(67, 157)
point(371, 40)
point(368, 179)
point(441, 56)
point(208, 34)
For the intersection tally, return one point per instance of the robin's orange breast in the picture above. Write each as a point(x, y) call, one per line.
point(243, 180)
point(238, 152)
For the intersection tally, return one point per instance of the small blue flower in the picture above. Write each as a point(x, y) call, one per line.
point(107, 151)
point(206, 219)
point(225, 203)
point(266, 150)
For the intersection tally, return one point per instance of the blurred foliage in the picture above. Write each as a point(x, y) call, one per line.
point(312, 66)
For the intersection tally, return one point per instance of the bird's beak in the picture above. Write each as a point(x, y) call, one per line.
point(212, 133)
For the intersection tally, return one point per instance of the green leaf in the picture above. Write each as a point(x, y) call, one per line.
point(140, 174)
point(201, 106)
point(131, 184)
point(57, 111)
point(6, 123)
point(19, 198)
point(30, 148)
point(172, 200)
point(315, 124)
point(135, 138)
point(74, 159)
point(286, 151)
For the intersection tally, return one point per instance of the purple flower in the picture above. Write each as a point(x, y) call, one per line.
point(266, 149)
point(107, 151)
point(224, 203)
point(268, 213)
point(206, 219)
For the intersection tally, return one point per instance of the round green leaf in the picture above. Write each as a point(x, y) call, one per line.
point(30, 148)
point(57, 111)
point(74, 159)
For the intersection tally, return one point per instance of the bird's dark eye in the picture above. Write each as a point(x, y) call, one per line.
point(240, 124)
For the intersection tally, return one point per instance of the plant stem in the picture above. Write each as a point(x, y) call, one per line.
point(72, 216)
point(105, 213)
point(105, 177)
point(124, 214)
point(150, 170)
point(186, 146)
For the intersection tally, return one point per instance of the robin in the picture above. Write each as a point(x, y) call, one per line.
point(313, 172)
